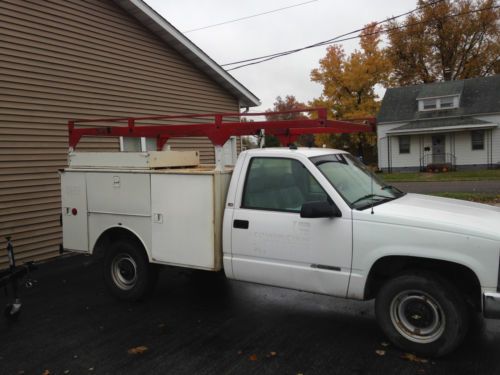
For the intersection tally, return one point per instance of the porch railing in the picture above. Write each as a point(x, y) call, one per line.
point(438, 161)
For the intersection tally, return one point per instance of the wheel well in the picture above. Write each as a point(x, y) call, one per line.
point(115, 234)
point(462, 277)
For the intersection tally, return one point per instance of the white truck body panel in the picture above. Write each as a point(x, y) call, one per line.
point(427, 227)
point(175, 213)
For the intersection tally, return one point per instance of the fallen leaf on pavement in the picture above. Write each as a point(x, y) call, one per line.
point(240, 352)
point(253, 357)
point(384, 344)
point(413, 358)
point(138, 350)
point(271, 354)
point(46, 372)
point(380, 352)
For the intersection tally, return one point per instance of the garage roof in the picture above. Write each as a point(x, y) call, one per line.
point(174, 38)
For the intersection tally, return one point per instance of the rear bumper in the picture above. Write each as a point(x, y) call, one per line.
point(491, 305)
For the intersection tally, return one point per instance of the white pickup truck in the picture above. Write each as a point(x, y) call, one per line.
point(314, 220)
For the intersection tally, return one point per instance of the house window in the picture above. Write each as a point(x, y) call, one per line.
point(447, 102)
point(431, 104)
point(477, 138)
point(404, 144)
point(133, 144)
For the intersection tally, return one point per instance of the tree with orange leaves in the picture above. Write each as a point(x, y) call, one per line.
point(349, 89)
point(288, 104)
point(448, 40)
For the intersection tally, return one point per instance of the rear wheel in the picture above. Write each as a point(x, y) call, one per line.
point(422, 313)
point(127, 271)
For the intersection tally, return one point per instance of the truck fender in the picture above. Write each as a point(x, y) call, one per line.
point(116, 230)
point(361, 272)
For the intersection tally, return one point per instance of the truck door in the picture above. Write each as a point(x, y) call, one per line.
point(271, 243)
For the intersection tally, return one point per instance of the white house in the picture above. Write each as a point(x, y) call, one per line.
point(444, 125)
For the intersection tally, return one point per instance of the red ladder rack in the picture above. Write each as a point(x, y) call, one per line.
point(221, 128)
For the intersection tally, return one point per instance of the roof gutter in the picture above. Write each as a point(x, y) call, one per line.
point(441, 129)
point(148, 17)
point(436, 118)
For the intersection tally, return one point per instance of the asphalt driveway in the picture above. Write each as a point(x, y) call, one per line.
point(197, 323)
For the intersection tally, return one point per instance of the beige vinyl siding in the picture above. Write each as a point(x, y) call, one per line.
point(63, 59)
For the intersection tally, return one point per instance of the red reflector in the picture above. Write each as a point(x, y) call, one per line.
point(74, 211)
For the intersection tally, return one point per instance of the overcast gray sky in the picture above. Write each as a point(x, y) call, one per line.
point(275, 32)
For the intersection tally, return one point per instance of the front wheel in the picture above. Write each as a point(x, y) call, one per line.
point(127, 271)
point(422, 313)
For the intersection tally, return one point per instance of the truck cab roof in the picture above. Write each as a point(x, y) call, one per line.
point(283, 151)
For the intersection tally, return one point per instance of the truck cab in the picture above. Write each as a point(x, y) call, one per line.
point(271, 239)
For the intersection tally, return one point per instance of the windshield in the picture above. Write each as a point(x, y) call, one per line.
point(354, 181)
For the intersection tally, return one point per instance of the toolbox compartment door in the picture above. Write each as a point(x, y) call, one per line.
point(183, 220)
point(74, 211)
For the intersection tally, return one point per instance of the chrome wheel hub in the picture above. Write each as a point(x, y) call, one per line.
point(124, 271)
point(417, 316)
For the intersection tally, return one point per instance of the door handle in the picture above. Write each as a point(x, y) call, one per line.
point(240, 224)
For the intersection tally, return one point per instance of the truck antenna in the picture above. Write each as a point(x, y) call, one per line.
point(371, 187)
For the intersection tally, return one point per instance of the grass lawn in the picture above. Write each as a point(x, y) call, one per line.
point(486, 174)
point(474, 197)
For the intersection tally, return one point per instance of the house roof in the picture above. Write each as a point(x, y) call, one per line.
point(438, 90)
point(477, 96)
point(441, 125)
point(174, 38)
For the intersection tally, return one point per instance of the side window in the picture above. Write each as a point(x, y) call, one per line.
point(404, 144)
point(477, 138)
point(280, 184)
point(133, 144)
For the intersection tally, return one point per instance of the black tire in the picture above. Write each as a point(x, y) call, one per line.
point(127, 271)
point(422, 313)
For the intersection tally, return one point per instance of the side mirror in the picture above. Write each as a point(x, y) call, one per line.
point(319, 209)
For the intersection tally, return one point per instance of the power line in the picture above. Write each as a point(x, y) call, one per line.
point(278, 54)
point(338, 39)
point(248, 17)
